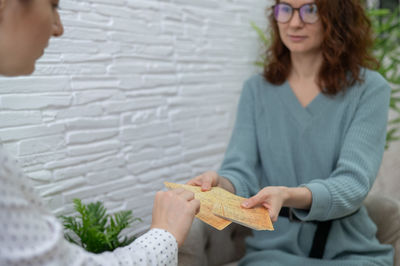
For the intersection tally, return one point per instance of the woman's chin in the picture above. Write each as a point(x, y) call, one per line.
point(14, 71)
point(28, 70)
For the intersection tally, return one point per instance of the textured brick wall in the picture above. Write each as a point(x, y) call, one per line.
point(136, 92)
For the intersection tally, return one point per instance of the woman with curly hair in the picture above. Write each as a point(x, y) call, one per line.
point(309, 139)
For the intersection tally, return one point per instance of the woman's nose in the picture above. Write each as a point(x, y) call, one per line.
point(296, 20)
point(58, 28)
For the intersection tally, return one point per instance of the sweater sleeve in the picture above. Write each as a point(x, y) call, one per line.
point(241, 164)
point(343, 192)
point(31, 235)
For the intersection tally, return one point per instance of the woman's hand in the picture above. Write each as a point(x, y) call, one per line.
point(174, 212)
point(211, 179)
point(272, 198)
point(206, 180)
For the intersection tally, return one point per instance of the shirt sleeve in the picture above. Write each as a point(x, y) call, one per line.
point(241, 165)
point(343, 192)
point(31, 235)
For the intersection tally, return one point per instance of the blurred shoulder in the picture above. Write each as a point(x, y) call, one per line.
point(257, 84)
point(257, 80)
point(373, 80)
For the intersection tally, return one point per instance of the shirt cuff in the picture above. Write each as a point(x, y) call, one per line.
point(320, 206)
point(160, 246)
point(240, 189)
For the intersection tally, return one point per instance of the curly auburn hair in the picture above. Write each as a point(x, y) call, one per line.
point(346, 48)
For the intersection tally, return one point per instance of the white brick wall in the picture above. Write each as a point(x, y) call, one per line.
point(135, 93)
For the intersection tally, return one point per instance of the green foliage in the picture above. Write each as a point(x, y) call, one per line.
point(96, 230)
point(265, 42)
point(386, 25)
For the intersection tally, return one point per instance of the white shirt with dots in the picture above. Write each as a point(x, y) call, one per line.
point(31, 235)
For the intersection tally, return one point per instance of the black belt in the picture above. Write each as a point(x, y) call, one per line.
point(320, 236)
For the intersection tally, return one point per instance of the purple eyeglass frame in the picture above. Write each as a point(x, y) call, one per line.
point(299, 9)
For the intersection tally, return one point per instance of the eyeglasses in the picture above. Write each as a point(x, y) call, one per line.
point(283, 13)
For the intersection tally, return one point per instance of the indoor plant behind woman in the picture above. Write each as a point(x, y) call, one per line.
point(31, 235)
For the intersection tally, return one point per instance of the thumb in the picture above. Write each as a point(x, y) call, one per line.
point(196, 205)
point(253, 201)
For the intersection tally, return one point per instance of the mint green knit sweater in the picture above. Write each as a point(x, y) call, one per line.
point(334, 147)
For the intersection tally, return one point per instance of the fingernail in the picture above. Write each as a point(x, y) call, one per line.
point(245, 204)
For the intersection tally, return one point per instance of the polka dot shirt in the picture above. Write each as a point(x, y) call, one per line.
point(31, 235)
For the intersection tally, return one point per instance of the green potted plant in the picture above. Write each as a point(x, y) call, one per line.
point(95, 230)
point(386, 25)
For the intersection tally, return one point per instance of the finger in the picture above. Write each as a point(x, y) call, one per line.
point(194, 182)
point(206, 186)
point(195, 205)
point(273, 213)
point(273, 216)
point(266, 205)
point(253, 201)
point(159, 195)
point(187, 195)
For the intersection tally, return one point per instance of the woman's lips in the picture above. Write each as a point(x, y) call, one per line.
point(296, 38)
